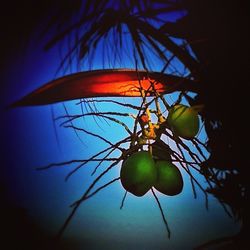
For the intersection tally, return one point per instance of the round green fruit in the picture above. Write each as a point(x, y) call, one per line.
point(138, 173)
point(183, 121)
point(169, 179)
point(161, 151)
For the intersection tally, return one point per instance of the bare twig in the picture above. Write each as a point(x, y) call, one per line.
point(162, 213)
point(77, 204)
point(123, 199)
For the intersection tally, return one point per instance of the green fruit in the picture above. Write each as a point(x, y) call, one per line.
point(161, 151)
point(138, 173)
point(169, 179)
point(183, 121)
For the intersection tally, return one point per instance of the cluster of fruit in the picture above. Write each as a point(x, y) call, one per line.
point(143, 170)
point(140, 172)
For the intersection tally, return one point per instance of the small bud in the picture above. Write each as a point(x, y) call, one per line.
point(144, 119)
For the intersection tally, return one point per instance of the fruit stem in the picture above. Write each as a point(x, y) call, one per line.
point(150, 149)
